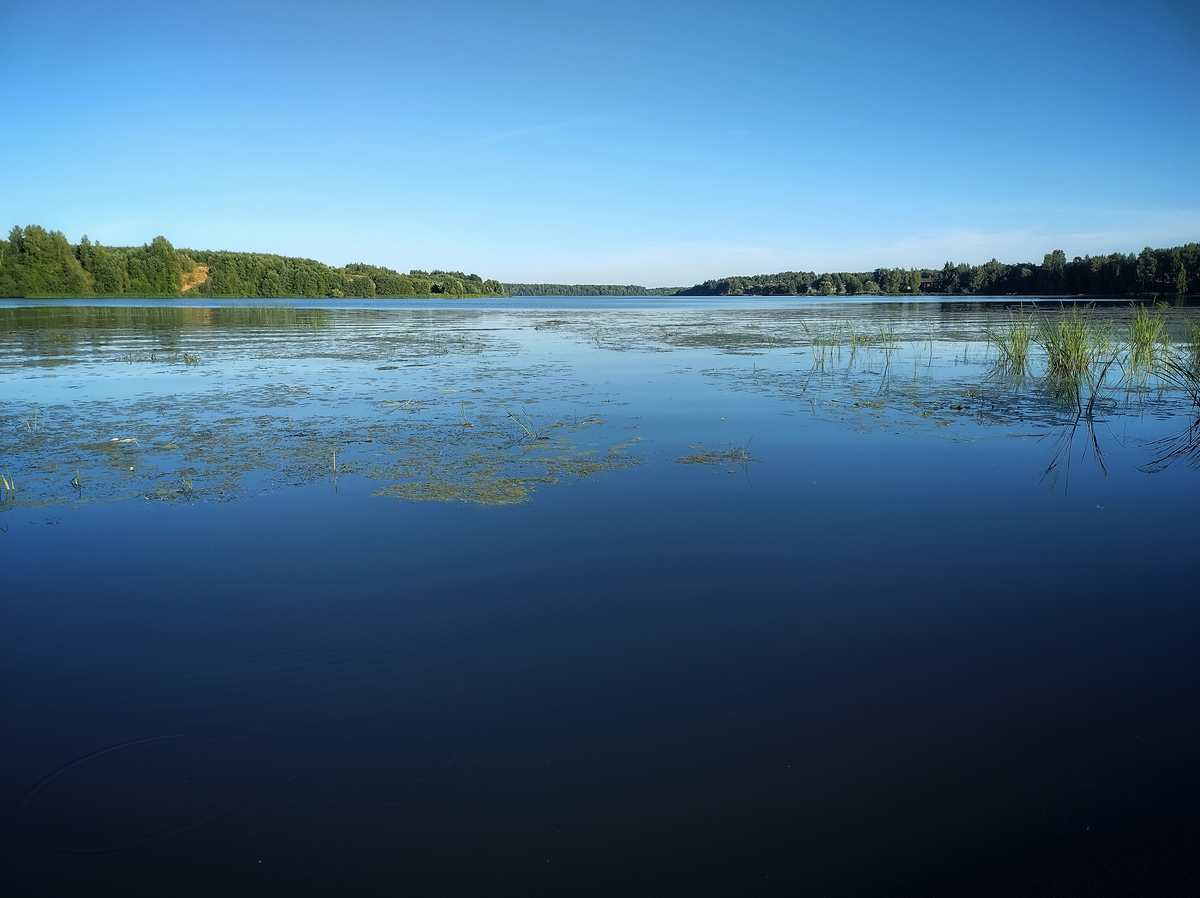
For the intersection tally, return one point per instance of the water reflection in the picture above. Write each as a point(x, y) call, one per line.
point(1179, 448)
point(214, 403)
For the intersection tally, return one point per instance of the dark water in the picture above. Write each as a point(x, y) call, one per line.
point(763, 601)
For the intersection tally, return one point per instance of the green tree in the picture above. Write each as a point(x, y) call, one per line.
point(46, 263)
point(1054, 267)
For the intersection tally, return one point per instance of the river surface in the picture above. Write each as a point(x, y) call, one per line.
point(785, 598)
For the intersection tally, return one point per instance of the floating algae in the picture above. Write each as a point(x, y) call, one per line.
point(454, 405)
point(734, 458)
point(272, 408)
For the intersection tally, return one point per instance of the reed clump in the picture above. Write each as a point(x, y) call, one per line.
point(1193, 346)
point(1146, 335)
point(1013, 344)
point(1073, 342)
point(1182, 369)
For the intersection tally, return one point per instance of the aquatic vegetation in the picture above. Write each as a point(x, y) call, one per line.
point(262, 417)
point(1193, 346)
point(491, 475)
point(856, 340)
point(918, 354)
point(1179, 448)
point(889, 343)
point(1146, 337)
point(1013, 343)
point(527, 426)
point(8, 484)
point(1062, 453)
point(1181, 372)
point(1073, 341)
point(737, 457)
point(410, 404)
point(820, 343)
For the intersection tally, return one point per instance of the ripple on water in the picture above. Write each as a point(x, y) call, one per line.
point(142, 793)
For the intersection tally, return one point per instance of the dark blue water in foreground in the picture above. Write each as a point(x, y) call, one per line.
point(875, 652)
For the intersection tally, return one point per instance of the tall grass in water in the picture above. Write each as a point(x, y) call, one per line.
point(856, 341)
point(820, 343)
point(1073, 341)
point(1182, 369)
point(1194, 347)
point(1013, 344)
point(1145, 337)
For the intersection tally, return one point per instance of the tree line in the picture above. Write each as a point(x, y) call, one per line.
point(1152, 271)
point(36, 262)
point(804, 283)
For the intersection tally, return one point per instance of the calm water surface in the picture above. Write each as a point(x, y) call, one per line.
point(808, 600)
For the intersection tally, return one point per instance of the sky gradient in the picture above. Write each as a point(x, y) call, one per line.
point(650, 142)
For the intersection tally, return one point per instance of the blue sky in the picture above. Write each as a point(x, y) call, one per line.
point(658, 143)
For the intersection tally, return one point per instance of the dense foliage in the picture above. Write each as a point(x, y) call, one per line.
point(1150, 271)
point(37, 262)
point(799, 283)
point(587, 290)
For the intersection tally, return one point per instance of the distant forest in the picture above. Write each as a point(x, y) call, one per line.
point(588, 290)
point(1152, 271)
point(36, 262)
point(1148, 272)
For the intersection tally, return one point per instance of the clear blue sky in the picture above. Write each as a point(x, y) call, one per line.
point(659, 143)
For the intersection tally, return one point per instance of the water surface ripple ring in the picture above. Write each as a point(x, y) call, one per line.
point(141, 793)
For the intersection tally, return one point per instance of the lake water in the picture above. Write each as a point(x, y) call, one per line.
point(787, 598)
